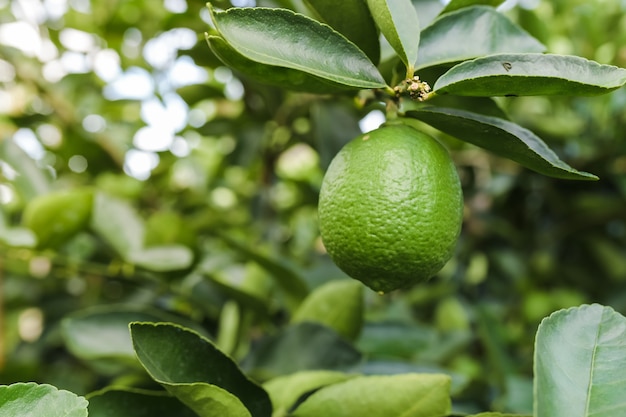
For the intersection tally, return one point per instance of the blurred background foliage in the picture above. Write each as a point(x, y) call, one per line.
point(141, 178)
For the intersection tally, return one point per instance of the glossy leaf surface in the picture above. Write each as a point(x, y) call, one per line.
point(353, 19)
point(501, 137)
point(112, 402)
point(33, 400)
point(460, 4)
point(196, 372)
point(529, 75)
point(286, 39)
point(580, 357)
point(403, 395)
point(399, 24)
point(469, 33)
point(287, 78)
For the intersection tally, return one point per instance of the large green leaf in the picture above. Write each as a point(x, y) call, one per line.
point(399, 24)
point(286, 390)
point(580, 357)
point(460, 4)
point(336, 304)
point(530, 74)
point(191, 368)
point(351, 18)
point(501, 137)
point(33, 400)
point(469, 33)
point(403, 395)
point(287, 78)
point(131, 402)
point(283, 38)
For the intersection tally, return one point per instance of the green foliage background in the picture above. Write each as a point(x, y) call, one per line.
point(238, 192)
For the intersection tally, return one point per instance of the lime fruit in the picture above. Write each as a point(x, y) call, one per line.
point(391, 208)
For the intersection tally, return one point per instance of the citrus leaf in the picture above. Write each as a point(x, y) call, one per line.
point(580, 357)
point(33, 400)
point(16, 236)
point(501, 137)
point(58, 216)
point(287, 78)
point(336, 304)
point(287, 39)
point(460, 4)
point(286, 276)
point(286, 390)
point(427, 10)
point(402, 395)
point(208, 400)
point(351, 18)
point(31, 180)
point(162, 258)
point(300, 347)
point(192, 94)
point(399, 24)
point(102, 332)
point(491, 414)
point(191, 368)
point(132, 402)
point(530, 74)
point(117, 222)
point(469, 33)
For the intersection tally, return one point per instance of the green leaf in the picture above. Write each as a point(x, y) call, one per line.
point(283, 38)
point(117, 222)
point(336, 304)
point(501, 137)
point(580, 357)
point(58, 216)
point(16, 236)
point(191, 368)
point(192, 94)
point(131, 402)
point(460, 4)
point(287, 78)
point(33, 400)
point(102, 332)
point(530, 75)
point(399, 24)
point(469, 33)
point(286, 276)
point(300, 347)
point(403, 395)
point(286, 390)
point(351, 18)
point(30, 180)
point(490, 414)
point(162, 258)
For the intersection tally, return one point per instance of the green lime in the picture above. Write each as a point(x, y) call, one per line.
point(391, 208)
